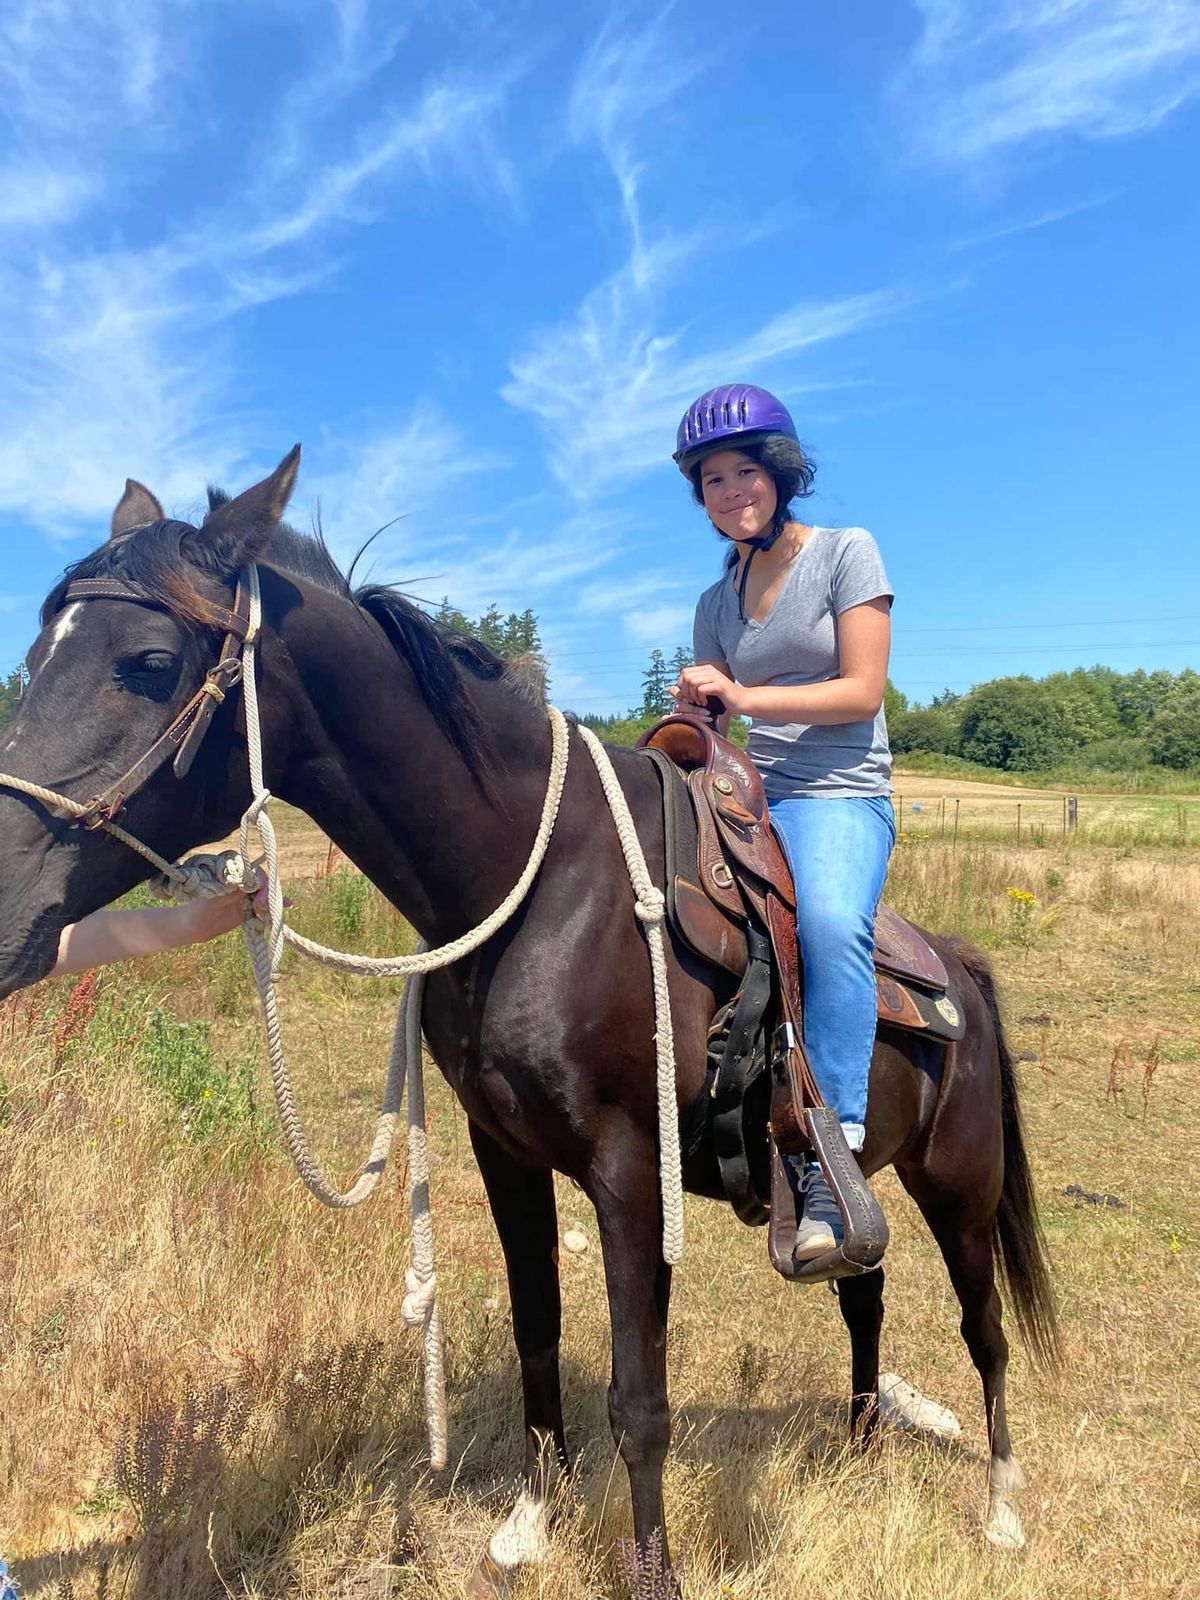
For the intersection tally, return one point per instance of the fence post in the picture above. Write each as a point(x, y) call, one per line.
point(957, 803)
point(1018, 822)
point(1072, 811)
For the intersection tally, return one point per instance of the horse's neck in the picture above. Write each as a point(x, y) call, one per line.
point(369, 764)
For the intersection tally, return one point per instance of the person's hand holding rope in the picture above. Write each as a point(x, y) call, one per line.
point(108, 936)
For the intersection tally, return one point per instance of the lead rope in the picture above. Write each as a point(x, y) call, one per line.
point(208, 875)
point(650, 906)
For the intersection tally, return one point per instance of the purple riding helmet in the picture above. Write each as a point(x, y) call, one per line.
point(737, 412)
point(732, 415)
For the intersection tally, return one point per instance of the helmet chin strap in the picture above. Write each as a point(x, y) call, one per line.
point(762, 541)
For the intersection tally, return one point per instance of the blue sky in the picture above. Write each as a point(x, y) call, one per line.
point(478, 259)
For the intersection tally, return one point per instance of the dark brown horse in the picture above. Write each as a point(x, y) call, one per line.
point(426, 763)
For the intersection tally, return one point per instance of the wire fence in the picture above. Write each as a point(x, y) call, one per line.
point(1056, 819)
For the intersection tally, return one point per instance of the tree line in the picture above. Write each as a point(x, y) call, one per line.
point(1091, 717)
point(513, 635)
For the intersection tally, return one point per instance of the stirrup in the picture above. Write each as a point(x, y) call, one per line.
point(866, 1229)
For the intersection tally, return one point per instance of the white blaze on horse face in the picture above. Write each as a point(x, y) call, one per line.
point(62, 628)
point(521, 1539)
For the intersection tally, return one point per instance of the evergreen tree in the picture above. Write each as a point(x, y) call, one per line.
point(489, 630)
point(10, 693)
point(948, 700)
point(451, 618)
point(656, 679)
point(520, 635)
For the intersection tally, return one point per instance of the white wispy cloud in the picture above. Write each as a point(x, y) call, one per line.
point(608, 382)
point(67, 68)
point(452, 121)
point(985, 78)
point(519, 565)
point(652, 625)
point(1043, 219)
point(633, 588)
point(628, 77)
point(409, 476)
point(608, 385)
point(123, 360)
point(78, 82)
point(102, 383)
point(34, 195)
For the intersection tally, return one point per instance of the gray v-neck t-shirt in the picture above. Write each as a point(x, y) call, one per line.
point(796, 643)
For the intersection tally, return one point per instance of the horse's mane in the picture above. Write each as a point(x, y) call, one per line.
point(152, 559)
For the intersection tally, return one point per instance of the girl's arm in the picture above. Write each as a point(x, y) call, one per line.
point(864, 636)
point(107, 936)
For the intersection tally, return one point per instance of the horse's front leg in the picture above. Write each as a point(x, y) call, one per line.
point(623, 1186)
point(522, 1203)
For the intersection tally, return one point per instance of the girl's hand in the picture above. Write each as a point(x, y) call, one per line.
point(223, 912)
point(697, 683)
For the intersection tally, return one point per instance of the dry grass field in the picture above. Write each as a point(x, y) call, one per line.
point(930, 805)
point(206, 1389)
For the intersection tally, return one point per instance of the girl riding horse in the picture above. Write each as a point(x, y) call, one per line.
point(795, 636)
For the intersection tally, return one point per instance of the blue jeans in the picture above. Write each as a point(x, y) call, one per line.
point(838, 849)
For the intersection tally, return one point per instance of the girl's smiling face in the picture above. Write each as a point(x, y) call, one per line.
point(739, 494)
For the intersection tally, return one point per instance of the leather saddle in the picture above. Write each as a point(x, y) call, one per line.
point(731, 900)
point(715, 797)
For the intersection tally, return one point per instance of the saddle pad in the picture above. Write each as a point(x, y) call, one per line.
point(900, 950)
point(919, 1010)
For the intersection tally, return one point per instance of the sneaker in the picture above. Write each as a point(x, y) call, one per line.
point(820, 1229)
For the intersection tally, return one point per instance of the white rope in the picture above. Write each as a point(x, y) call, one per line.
point(651, 908)
point(419, 1307)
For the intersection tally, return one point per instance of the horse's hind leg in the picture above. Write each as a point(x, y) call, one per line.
point(968, 1253)
point(522, 1203)
point(861, 1302)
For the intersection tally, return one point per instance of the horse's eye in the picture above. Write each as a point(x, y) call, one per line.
point(151, 673)
point(155, 661)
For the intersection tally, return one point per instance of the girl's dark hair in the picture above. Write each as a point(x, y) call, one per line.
point(790, 467)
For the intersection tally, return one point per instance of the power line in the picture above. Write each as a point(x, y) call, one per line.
point(641, 653)
point(618, 674)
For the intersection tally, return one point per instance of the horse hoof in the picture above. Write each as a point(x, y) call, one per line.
point(1003, 1529)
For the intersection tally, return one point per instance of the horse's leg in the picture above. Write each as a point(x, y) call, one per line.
point(623, 1186)
point(967, 1250)
point(861, 1302)
point(522, 1203)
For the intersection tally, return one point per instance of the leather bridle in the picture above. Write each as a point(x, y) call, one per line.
point(182, 738)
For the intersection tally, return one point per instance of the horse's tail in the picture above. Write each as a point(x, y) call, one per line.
point(1017, 1240)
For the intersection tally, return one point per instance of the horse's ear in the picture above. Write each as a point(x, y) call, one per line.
point(136, 507)
point(240, 530)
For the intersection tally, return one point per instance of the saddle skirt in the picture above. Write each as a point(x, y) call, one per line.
point(719, 840)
